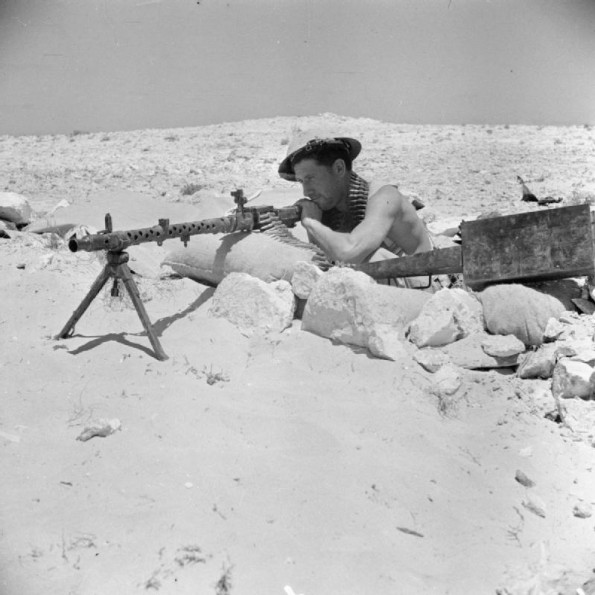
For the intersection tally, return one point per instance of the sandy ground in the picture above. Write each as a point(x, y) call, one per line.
point(270, 464)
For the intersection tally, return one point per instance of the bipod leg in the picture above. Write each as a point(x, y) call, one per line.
point(123, 272)
point(97, 286)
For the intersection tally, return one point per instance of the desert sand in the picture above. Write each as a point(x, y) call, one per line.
point(259, 464)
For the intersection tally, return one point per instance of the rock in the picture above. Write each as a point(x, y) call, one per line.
point(522, 478)
point(584, 305)
point(518, 310)
point(535, 504)
point(305, 276)
point(449, 315)
point(581, 327)
point(553, 330)
point(468, 353)
point(434, 330)
point(100, 427)
point(573, 379)
point(347, 306)
point(569, 317)
point(586, 356)
point(539, 363)
point(502, 345)
point(4, 227)
point(446, 381)
point(582, 510)
point(7, 225)
point(430, 359)
point(385, 343)
point(14, 207)
point(572, 347)
point(252, 304)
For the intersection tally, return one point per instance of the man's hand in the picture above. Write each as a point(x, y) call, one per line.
point(310, 210)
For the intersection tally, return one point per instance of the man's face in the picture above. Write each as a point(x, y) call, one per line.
point(320, 183)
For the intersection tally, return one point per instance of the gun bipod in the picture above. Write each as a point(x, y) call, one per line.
point(117, 269)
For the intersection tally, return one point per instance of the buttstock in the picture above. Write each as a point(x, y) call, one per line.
point(443, 261)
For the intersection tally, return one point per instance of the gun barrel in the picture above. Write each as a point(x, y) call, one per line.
point(120, 240)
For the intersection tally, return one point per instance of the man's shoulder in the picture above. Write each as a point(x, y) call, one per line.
point(375, 186)
point(386, 191)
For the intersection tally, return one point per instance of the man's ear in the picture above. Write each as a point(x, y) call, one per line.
point(339, 167)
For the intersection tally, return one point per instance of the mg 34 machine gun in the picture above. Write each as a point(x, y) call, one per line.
point(244, 218)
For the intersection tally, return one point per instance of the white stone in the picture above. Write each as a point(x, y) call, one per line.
point(586, 356)
point(449, 315)
point(431, 359)
point(502, 345)
point(252, 304)
point(468, 353)
point(575, 328)
point(446, 381)
point(434, 331)
point(581, 329)
point(569, 317)
point(347, 306)
point(384, 342)
point(572, 347)
point(573, 379)
point(582, 510)
point(553, 329)
point(539, 363)
point(305, 276)
point(14, 207)
point(535, 504)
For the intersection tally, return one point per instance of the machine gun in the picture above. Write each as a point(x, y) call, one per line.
point(116, 242)
point(243, 219)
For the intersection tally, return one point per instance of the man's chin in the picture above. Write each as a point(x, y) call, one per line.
point(320, 204)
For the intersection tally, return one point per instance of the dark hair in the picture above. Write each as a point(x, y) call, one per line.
point(324, 152)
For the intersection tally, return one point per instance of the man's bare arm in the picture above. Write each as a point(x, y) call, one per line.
point(355, 247)
point(388, 214)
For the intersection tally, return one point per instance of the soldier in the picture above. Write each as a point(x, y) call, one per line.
point(346, 216)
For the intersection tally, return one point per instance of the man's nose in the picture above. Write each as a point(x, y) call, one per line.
point(307, 189)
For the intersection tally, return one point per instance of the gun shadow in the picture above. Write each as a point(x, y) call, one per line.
point(158, 327)
point(163, 323)
point(227, 243)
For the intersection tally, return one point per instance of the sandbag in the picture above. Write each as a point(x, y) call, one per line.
point(518, 310)
point(209, 258)
point(564, 290)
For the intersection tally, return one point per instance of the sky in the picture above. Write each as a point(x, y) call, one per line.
point(107, 65)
